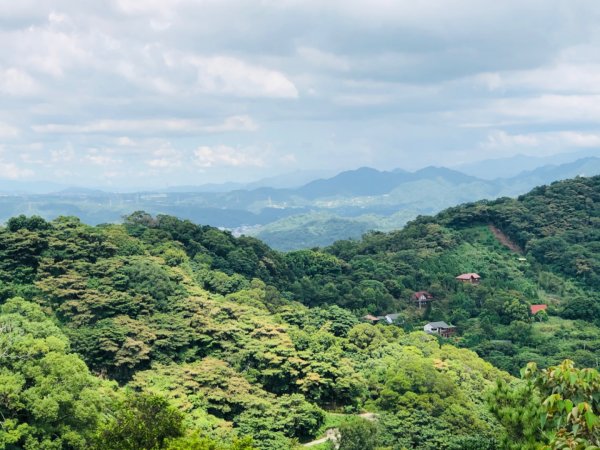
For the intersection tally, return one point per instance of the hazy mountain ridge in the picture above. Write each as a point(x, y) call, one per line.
point(342, 206)
point(508, 167)
point(438, 188)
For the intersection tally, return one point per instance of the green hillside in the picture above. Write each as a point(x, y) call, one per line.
point(160, 333)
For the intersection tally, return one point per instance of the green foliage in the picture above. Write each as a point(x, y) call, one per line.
point(218, 340)
point(571, 404)
point(197, 442)
point(518, 407)
point(140, 422)
point(553, 408)
point(48, 398)
point(212, 386)
point(358, 434)
point(429, 396)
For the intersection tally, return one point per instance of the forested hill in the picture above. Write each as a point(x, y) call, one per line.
point(554, 232)
point(160, 333)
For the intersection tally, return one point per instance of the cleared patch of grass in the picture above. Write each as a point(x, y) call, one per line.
point(332, 420)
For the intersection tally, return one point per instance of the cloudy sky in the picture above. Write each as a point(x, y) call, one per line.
point(164, 92)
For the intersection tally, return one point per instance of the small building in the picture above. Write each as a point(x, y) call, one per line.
point(537, 308)
point(372, 319)
point(441, 328)
point(472, 278)
point(388, 318)
point(392, 318)
point(422, 298)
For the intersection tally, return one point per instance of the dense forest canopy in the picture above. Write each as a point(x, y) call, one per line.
point(160, 333)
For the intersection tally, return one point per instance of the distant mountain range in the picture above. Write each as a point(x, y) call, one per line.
point(507, 167)
point(313, 214)
point(368, 199)
point(368, 181)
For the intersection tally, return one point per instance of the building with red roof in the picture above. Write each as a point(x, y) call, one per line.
point(422, 297)
point(537, 308)
point(472, 278)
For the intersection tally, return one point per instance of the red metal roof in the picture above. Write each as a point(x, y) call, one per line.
point(418, 295)
point(537, 308)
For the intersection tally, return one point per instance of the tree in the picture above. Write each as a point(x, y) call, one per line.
point(197, 442)
point(518, 408)
point(357, 434)
point(571, 401)
point(48, 398)
point(142, 422)
point(553, 408)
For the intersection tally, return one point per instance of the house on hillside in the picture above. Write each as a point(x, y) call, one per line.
point(392, 318)
point(441, 328)
point(422, 298)
point(372, 319)
point(537, 308)
point(472, 278)
point(388, 318)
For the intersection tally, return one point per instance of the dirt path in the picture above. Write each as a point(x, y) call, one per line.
point(317, 442)
point(333, 435)
point(330, 435)
point(505, 240)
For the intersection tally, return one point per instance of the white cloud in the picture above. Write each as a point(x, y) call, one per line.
point(577, 139)
point(163, 163)
point(125, 141)
point(165, 157)
point(492, 81)
point(550, 108)
point(31, 158)
point(17, 82)
point(289, 159)
point(573, 78)
point(160, 25)
point(547, 141)
point(227, 75)
point(11, 171)
point(8, 131)
point(63, 155)
point(363, 99)
point(223, 155)
point(233, 123)
point(102, 157)
point(396, 77)
point(452, 13)
point(148, 7)
point(51, 51)
point(14, 172)
point(501, 139)
point(139, 77)
point(323, 59)
point(150, 126)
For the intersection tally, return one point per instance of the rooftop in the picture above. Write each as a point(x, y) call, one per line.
point(468, 276)
point(441, 324)
point(537, 308)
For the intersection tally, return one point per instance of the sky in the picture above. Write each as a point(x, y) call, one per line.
point(140, 93)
